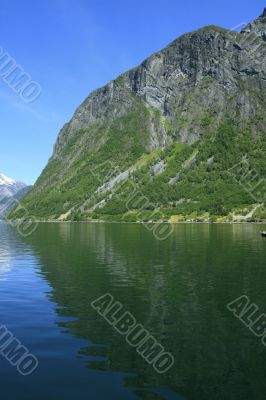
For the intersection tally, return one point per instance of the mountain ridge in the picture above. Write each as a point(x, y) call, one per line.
point(208, 86)
point(114, 90)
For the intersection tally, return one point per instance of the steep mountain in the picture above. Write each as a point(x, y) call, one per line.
point(180, 136)
point(10, 192)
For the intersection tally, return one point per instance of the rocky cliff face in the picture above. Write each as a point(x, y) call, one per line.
point(212, 65)
point(257, 27)
point(181, 94)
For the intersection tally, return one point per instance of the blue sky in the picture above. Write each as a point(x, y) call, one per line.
point(71, 47)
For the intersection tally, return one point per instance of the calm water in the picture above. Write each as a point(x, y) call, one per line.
point(178, 289)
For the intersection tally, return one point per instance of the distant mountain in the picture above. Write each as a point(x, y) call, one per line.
point(11, 191)
point(9, 187)
point(174, 130)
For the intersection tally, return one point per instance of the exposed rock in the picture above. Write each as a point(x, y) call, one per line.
point(179, 95)
point(158, 168)
point(195, 74)
point(210, 160)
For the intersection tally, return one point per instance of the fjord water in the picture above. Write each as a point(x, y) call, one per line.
point(177, 288)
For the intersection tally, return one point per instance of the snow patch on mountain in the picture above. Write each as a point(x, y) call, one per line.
point(9, 187)
point(4, 180)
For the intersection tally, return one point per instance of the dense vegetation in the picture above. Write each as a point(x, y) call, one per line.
point(205, 188)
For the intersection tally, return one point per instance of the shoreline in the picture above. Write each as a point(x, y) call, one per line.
point(138, 222)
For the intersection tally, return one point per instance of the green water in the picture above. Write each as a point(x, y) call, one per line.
point(177, 289)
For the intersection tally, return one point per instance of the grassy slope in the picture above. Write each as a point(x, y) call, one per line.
point(203, 189)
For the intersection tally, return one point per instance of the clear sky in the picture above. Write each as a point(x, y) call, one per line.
point(71, 47)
